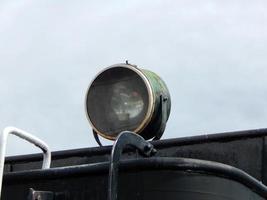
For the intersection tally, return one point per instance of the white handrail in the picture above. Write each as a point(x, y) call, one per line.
point(26, 136)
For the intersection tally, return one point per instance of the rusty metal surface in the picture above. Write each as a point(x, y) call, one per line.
point(40, 195)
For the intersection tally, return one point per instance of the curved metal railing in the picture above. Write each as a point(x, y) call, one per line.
point(26, 136)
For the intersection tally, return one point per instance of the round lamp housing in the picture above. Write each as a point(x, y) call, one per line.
point(123, 97)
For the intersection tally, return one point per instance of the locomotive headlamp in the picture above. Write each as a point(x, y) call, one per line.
point(123, 97)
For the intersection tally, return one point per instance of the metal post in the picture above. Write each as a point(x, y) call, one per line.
point(125, 138)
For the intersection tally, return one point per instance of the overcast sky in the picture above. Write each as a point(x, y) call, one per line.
point(211, 54)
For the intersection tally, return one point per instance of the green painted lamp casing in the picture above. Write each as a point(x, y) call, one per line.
point(159, 88)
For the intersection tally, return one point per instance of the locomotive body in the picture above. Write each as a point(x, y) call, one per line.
point(217, 166)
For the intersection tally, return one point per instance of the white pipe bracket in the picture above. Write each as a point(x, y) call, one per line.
point(26, 136)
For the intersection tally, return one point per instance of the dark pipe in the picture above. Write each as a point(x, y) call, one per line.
point(125, 138)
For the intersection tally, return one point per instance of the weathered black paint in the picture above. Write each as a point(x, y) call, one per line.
point(245, 150)
point(140, 178)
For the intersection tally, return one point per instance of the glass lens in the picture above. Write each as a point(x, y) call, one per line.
point(117, 101)
point(126, 102)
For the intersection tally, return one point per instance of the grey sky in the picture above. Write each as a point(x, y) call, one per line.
point(211, 54)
